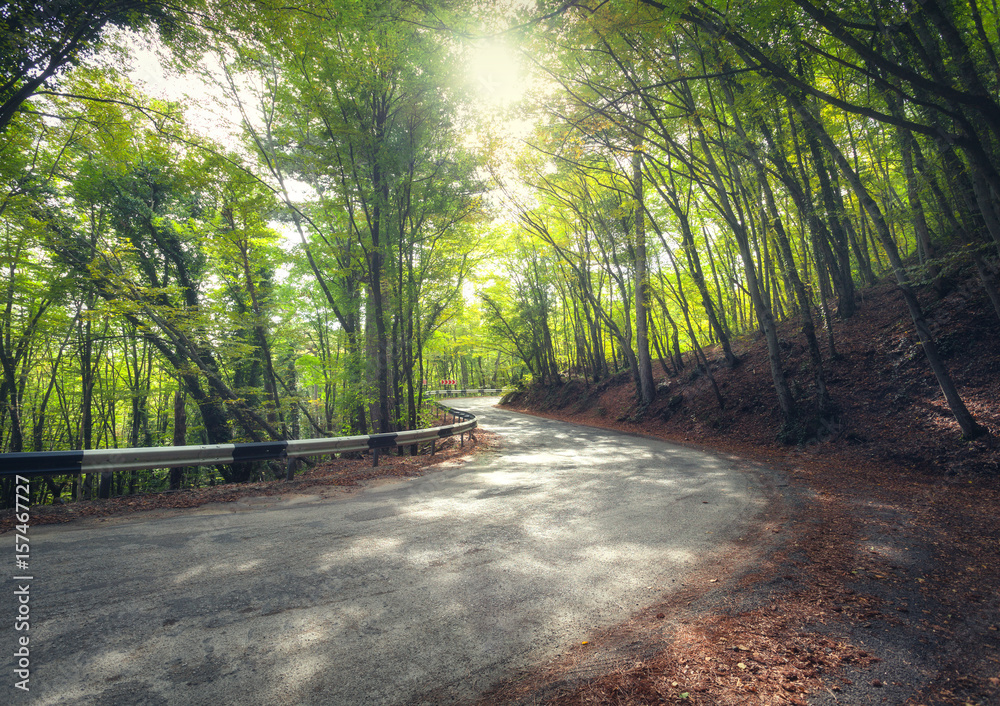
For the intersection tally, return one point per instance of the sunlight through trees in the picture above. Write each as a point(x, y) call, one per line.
point(492, 192)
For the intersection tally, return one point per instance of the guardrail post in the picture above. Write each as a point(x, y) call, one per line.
point(292, 451)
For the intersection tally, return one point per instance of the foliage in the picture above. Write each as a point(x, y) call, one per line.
point(693, 172)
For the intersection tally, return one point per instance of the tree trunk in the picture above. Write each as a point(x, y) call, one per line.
point(786, 401)
point(180, 437)
point(647, 391)
point(970, 428)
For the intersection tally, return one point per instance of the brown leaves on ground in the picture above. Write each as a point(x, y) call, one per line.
point(842, 573)
point(896, 541)
point(703, 667)
point(338, 472)
point(890, 407)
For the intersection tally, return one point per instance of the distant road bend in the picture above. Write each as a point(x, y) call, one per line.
point(429, 590)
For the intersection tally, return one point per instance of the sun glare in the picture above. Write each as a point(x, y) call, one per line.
point(496, 70)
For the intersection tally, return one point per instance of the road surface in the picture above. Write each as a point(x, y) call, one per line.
point(428, 590)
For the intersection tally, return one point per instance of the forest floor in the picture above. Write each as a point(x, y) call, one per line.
point(336, 474)
point(884, 586)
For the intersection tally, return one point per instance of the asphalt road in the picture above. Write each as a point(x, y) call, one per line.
point(428, 590)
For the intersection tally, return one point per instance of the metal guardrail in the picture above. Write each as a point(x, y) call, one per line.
point(109, 460)
point(464, 393)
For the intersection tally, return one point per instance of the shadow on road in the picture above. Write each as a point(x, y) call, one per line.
point(430, 590)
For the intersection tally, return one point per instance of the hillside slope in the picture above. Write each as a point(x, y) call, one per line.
point(885, 588)
point(890, 406)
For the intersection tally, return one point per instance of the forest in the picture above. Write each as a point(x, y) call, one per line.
point(364, 197)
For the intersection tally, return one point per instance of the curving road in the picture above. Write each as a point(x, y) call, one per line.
point(424, 591)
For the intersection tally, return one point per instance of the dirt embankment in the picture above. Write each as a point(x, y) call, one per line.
point(885, 588)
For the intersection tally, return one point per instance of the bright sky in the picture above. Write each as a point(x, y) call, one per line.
point(495, 69)
point(497, 72)
point(201, 106)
